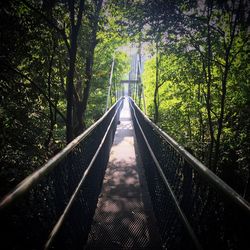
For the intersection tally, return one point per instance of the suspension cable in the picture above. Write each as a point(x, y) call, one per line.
point(176, 203)
point(31, 180)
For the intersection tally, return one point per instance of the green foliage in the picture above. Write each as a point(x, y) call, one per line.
point(204, 86)
point(202, 91)
point(35, 59)
point(107, 48)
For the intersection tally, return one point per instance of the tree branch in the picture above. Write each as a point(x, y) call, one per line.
point(39, 89)
point(50, 23)
point(193, 43)
point(240, 50)
point(80, 13)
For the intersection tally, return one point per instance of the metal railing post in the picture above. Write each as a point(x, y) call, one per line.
point(110, 83)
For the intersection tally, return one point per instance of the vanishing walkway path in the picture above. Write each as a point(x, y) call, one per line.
point(121, 219)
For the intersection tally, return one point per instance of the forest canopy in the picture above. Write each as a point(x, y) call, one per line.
point(56, 57)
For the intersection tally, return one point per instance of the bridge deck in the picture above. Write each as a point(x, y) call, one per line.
point(123, 218)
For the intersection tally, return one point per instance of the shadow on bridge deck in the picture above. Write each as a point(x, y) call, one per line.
point(123, 218)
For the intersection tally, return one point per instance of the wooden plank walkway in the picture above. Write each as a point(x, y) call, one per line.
point(122, 220)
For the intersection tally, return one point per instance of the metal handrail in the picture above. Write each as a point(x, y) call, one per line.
point(36, 176)
point(176, 203)
point(61, 219)
point(206, 173)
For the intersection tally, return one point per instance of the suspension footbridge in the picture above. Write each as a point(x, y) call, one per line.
point(124, 184)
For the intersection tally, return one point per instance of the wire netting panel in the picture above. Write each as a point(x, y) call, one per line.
point(218, 223)
point(27, 223)
point(126, 230)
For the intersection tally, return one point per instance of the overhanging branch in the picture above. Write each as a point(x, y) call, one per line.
point(39, 89)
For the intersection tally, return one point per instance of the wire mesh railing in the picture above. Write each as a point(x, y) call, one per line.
point(61, 196)
point(193, 207)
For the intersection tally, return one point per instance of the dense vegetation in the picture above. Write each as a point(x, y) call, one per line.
point(56, 58)
point(197, 79)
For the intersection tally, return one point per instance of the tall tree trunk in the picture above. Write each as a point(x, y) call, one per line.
point(156, 91)
point(70, 87)
point(208, 78)
point(72, 59)
point(228, 64)
point(52, 120)
point(201, 123)
point(82, 107)
point(222, 113)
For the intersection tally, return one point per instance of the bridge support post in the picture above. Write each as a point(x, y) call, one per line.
point(110, 84)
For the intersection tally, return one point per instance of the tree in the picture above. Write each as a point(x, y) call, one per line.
point(207, 40)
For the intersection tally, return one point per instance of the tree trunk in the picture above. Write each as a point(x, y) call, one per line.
point(201, 123)
point(208, 78)
point(69, 88)
point(156, 92)
point(72, 59)
point(82, 107)
point(224, 84)
point(52, 120)
point(221, 118)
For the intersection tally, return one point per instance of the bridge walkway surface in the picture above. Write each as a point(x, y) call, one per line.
point(123, 218)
